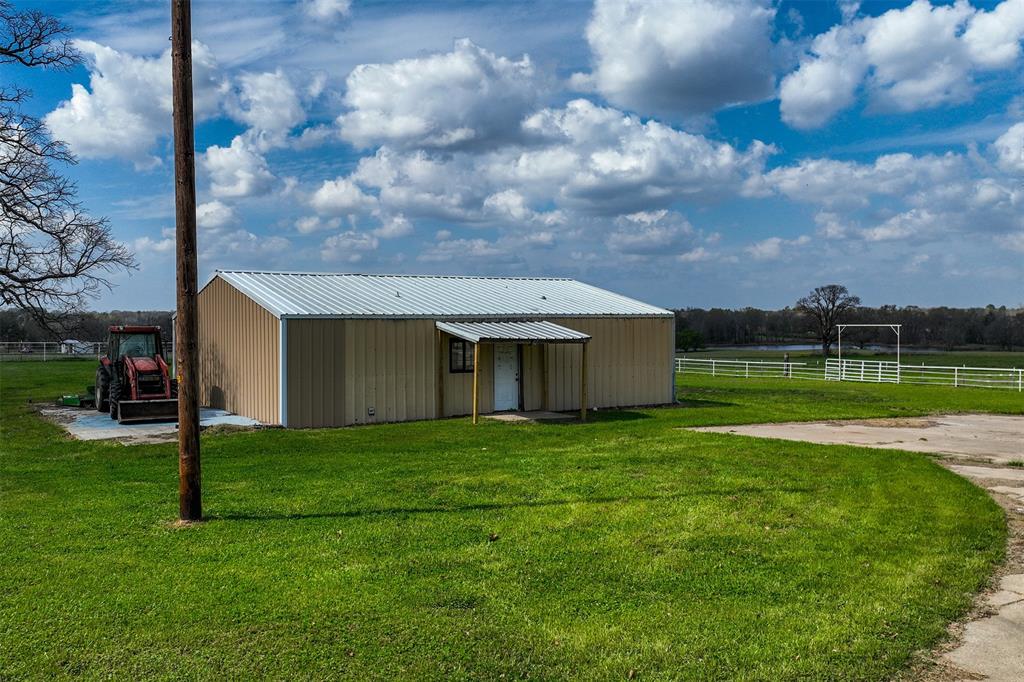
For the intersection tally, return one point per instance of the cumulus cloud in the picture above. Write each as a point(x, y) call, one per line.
point(241, 246)
point(237, 171)
point(680, 56)
point(127, 106)
point(1009, 149)
point(826, 81)
point(350, 246)
point(446, 250)
point(511, 205)
point(314, 223)
point(468, 97)
point(917, 57)
point(603, 159)
point(213, 215)
point(1013, 241)
point(270, 105)
point(831, 225)
point(913, 223)
point(774, 248)
point(697, 255)
point(327, 10)
point(341, 197)
point(650, 233)
point(581, 158)
point(392, 227)
point(147, 246)
point(831, 182)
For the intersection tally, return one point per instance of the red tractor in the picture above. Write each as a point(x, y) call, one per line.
point(133, 381)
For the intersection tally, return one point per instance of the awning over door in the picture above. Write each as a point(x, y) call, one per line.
point(513, 332)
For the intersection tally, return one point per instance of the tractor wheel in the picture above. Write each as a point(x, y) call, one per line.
point(102, 390)
point(114, 396)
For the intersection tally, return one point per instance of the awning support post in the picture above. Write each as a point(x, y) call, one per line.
point(544, 404)
point(583, 383)
point(476, 381)
point(439, 377)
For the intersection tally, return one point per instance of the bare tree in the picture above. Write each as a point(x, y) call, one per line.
point(826, 306)
point(54, 256)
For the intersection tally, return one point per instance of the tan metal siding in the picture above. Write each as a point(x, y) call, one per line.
point(532, 376)
point(238, 354)
point(458, 388)
point(629, 363)
point(339, 369)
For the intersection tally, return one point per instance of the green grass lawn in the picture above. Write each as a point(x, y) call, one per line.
point(442, 550)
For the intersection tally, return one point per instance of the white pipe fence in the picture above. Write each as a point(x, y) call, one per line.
point(747, 368)
point(869, 371)
point(44, 351)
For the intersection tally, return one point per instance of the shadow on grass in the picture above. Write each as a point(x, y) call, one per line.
point(493, 506)
point(615, 416)
point(695, 402)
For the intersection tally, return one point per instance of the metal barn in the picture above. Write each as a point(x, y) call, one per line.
point(320, 349)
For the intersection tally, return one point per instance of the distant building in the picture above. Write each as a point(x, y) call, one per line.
point(322, 350)
point(75, 347)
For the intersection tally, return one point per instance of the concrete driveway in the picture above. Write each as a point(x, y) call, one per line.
point(996, 438)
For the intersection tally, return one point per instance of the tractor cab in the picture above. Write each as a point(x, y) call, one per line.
point(134, 342)
point(133, 380)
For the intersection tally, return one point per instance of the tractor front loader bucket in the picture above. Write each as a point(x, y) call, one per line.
point(165, 409)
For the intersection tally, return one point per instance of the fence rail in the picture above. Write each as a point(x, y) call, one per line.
point(747, 368)
point(869, 371)
point(44, 351)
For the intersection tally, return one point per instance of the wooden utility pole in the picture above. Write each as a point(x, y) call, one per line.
point(190, 505)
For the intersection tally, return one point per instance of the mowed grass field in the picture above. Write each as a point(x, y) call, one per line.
point(622, 547)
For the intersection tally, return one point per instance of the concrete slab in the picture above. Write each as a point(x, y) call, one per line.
point(92, 425)
point(997, 438)
point(533, 416)
point(1012, 491)
point(993, 647)
point(1002, 474)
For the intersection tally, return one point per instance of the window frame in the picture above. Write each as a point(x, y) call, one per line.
point(468, 350)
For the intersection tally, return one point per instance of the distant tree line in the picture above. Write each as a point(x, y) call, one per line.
point(946, 328)
point(993, 327)
point(19, 325)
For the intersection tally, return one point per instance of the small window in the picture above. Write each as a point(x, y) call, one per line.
point(460, 356)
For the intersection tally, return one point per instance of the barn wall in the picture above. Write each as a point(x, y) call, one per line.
point(532, 375)
point(339, 369)
point(238, 354)
point(458, 388)
point(629, 363)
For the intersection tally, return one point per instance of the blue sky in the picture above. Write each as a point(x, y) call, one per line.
point(689, 153)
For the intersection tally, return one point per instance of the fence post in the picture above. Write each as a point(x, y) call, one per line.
point(712, 368)
point(956, 377)
point(1020, 380)
point(44, 351)
point(746, 370)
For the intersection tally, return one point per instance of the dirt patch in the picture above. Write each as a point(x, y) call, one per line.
point(888, 422)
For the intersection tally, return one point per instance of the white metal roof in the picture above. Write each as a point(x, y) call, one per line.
point(519, 332)
point(319, 294)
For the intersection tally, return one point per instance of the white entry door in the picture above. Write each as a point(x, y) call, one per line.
point(506, 377)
